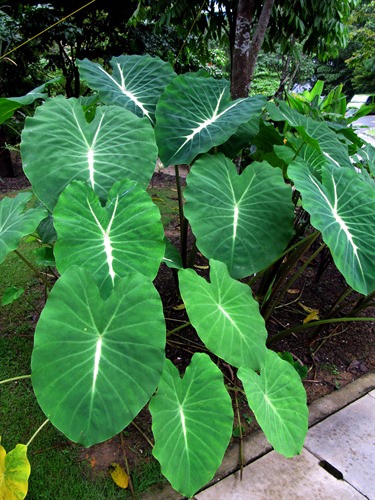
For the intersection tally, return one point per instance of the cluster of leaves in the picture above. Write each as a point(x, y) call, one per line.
point(99, 351)
point(362, 36)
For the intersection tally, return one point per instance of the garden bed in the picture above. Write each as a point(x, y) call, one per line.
point(335, 356)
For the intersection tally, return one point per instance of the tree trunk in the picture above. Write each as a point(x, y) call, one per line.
point(240, 62)
point(245, 53)
point(258, 37)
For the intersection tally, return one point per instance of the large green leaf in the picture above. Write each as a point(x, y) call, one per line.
point(278, 400)
point(315, 133)
point(195, 114)
point(114, 145)
point(95, 364)
point(15, 222)
point(225, 315)
point(192, 421)
point(136, 82)
point(243, 220)
point(342, 207)
point(124, 236)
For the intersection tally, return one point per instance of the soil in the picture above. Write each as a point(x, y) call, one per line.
point(334, 356)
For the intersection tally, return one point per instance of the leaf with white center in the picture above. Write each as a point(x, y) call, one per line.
point(96, 363)
point(195, 114)
point(242, 220)
point(278, 400)
point(125, 235)
point(315, 133)
point(342, 207)
point(16, 222)
point(192, 421)
point(136, 82)
point(225, 316)
point(114, 145)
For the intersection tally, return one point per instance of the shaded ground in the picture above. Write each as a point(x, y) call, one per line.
point(335, 356)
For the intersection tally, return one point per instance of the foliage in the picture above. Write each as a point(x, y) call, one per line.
point(278, 72)
point(362, 59)
point(99, 352)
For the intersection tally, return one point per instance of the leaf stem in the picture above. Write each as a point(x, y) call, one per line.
point(183, 221)
point(284, 333)
point(178, 328)
point(37, 432)
point(241, 435)
point(143, 434)
point(33, 268)
point(14, 378)
point(127, 466)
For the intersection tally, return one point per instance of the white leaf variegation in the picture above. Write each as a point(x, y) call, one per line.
point(192, 421)
point(195, 114)
point(225, 316)
point(242, 220)
point(135, 83)
point(97, 362)
point(114, 145)
point(124, 236)
point(342, 207)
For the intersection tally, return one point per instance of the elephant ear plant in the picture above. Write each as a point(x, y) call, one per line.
point(99, 351)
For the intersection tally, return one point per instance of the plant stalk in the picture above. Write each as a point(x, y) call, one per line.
point(127, 466)
point(285, 333)
point(14, 378)
point(183, 221)
point(33, 268)
point(37, 432)
point(241, 436)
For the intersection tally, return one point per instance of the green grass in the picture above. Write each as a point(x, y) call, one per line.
point(57, 470)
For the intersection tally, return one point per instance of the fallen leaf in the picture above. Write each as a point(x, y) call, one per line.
point(14, 473)
point(119, 476)
point(293, 291)
point(180, 307)
point(311, 316)
point(307, 309)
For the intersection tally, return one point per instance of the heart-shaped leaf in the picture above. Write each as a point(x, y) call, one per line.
point(136, 82)
point(114, 145)
point(225, 316)
point(192, 421)
point(315, 133)
point(278, 400)
point(15, 222)
point(195, 114)
point(242, 220)
point(95, 364)
point(14, 473)
point(342, 207)
point(124, 236)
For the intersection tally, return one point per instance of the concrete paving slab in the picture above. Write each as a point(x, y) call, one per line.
point(346, 440)
point(372, 393)
point(276, 477)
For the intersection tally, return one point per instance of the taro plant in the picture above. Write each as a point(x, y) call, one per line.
point(99, 351)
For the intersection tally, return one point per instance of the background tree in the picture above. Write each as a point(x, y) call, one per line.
point(362, 36)
point(320, 27)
